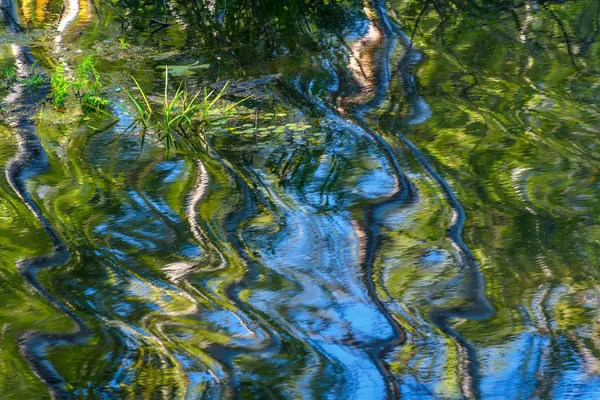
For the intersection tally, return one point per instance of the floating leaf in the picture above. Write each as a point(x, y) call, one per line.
point(183, 70)
point(165, 55)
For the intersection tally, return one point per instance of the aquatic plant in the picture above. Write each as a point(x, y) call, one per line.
point(184, 70)
point(59, 86)
point(10, 74)
point(34, 82)
point(87, 78)
point(180, 120)
point(92, 103)
point(85, 86)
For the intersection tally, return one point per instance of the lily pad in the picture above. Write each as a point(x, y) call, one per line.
point(184, 70)
point(166, 55)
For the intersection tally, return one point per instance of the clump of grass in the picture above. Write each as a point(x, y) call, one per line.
point(87, 78)
point(59, 86)
point(180, 120)
point(10, 73)
point(34, 82)
point(85, 86)
point(93, 103)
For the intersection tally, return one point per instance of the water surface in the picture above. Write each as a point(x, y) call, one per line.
point(425, 226)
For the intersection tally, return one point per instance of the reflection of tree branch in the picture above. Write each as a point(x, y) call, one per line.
point(445, 46)
point(518, 26)
point(564, 32)
point(123, 18)
point(7, 15)
point(591, 37)
point(465, 91)
point(351, 54)
point(303, 15)
point(416, 26)
point(163, 24)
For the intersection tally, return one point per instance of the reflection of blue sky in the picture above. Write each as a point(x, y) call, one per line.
point(362, 380)
point(376, 183)
point(522, 366)
point(329, 303)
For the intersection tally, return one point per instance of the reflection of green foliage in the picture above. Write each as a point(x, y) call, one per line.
point(242, 33)
point(516, 140)
point(513, 93)
point(21, 309)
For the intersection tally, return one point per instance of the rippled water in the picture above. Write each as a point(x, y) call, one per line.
point(431, 233)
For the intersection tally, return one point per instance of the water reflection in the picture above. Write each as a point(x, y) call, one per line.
point(431, 235)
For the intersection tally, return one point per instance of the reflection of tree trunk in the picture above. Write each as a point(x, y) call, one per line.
point(302, 15)
point(9, 17)
point(34, 9)
point(366, 60)
point(528, 18)
point(67, 19)
point(40, 10)
point(370, 67)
